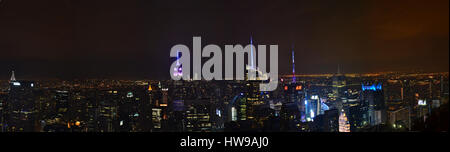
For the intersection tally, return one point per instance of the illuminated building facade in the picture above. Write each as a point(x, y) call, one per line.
point(373, 103)
point(313, 107)
point(338, 84)
point(344, 125)
point(20, 111)
point(199, 115)
point(295, 93)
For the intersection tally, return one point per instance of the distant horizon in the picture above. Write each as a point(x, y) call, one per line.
point(3, 78)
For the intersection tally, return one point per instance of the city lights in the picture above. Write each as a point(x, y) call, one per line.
point(208, 66)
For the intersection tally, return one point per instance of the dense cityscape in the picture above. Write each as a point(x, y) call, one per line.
point(381, 102)
point(262, 69)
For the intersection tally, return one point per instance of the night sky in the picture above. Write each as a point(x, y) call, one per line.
point(131, 39)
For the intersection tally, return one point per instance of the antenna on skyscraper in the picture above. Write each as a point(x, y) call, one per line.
point(252, 64)
point(293, 65)
point(13, 77)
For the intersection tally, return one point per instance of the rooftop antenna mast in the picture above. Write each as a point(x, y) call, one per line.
point(13, 77)
point(293, 65)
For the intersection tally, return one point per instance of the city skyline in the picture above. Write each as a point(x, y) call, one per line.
point(232, 75)
point(384, 102)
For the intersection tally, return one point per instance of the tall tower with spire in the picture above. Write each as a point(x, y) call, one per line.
point(178, 70)
point(21, 106)
point(13, 77)
point(252, 63)
point(293, 65)
point(339, 82)
point(252, 95)
point(250, 67)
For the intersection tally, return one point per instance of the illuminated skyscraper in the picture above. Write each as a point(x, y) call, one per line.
point(344, 125)
point(20, 112)
point(199, 114)
point(372, 101)
point(295, 92)
point(312, 107)
point(338, 83)
point(252, 93)
point(178, 70)
point(62, 104)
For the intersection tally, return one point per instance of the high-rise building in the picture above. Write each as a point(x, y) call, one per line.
point(313, 107)
point(372, 99)
point(106, 111)
point(339, 83)
point(62, 104)
point(199, 115)
point(251, 92)
point(295, 92)
point(133, 109)
point(20, 111)
point(344, 125)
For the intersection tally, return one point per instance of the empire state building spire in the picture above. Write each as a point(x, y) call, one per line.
point(13, 77)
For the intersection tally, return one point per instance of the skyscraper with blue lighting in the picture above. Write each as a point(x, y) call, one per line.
point(373, 103)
